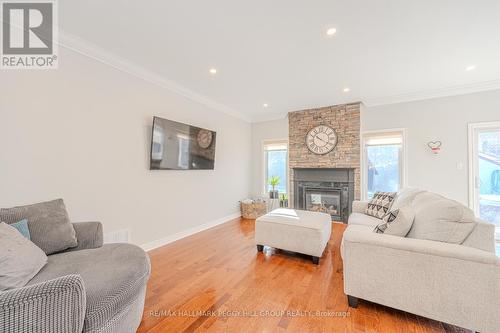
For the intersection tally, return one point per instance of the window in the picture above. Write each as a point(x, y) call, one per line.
point(484, 177)
point(183, 159)
point(383, 162)
point(276, 164)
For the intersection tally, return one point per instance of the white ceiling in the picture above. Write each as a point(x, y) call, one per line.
point(277, 52)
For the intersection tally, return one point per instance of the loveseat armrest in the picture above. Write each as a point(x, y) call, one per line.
point(54, 306)
point(359, 206)
point(88, 234)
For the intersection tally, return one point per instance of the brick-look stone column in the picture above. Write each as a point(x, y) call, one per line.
point(345, 119)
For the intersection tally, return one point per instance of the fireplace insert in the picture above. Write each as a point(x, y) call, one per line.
point(329, 191)
point(323, 200)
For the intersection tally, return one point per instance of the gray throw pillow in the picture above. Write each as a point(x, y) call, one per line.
point(397, 222)
point(20, 259)
point(380, 204)
point(48, 223)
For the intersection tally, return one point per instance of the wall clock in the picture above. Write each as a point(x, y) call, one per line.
point(204, 138)
point(321, 139)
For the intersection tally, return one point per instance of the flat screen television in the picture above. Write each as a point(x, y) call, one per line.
point(178, 146)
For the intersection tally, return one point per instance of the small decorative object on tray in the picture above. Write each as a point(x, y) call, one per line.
point(253, 208)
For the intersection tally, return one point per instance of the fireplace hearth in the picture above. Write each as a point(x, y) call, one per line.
point(329, 191)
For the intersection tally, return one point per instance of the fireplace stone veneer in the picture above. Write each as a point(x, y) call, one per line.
point(345, 157)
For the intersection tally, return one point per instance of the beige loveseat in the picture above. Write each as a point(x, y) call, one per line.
point(456, 281)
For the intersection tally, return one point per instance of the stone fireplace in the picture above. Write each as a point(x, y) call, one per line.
point(329, 182)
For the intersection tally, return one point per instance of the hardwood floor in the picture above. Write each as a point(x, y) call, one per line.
point(219, 271)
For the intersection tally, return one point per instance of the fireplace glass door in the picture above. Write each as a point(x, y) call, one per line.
point(323, 200)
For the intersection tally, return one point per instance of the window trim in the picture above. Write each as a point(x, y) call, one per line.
point(473, 128)
point(403, 169)
point(264, 178)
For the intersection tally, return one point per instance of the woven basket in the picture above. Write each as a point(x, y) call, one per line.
point(253, 210)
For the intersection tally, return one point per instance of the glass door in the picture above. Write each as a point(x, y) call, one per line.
point(484, 140)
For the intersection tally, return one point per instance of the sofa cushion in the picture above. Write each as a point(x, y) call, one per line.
point(397, 222)
point(363, 219)
point(440, 219)
point(114, 275)
point(380, 204)
point(20, 259)
point(404, 197)
point(482, 236)
point(48, 223)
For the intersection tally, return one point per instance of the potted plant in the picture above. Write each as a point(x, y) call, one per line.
point(274, 181)
point(284, 200)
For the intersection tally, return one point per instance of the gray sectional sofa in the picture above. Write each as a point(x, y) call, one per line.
point(88, 288)
point(445, 268)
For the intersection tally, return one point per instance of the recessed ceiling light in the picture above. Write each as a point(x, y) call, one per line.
point(470, 68)
point(265, 105)
point(347, 89)
point(331, 31)
point(212, 71)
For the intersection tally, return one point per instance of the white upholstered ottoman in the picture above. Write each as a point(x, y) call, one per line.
point(294, 230)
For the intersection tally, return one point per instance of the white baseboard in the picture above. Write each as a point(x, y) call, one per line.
point(188, 232)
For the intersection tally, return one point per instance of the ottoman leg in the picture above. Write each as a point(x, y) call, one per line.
point(353, 301)
point(260, 248)
point(315, 260)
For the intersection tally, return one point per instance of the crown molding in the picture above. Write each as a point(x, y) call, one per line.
point(269, 117)
point(85, 48)
point(434, 93)
point(283, 115)
point(450, 91)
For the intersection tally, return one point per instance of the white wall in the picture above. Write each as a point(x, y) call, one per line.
point(263, 131)
point(443, 119)
point(82, 133)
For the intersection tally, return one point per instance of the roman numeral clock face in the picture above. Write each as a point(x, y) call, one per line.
point(321, 139)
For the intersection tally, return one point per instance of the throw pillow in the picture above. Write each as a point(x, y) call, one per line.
point(380, 204)
point(48, 223)
point(20, 259)
point(22, 227)
point(397, 222)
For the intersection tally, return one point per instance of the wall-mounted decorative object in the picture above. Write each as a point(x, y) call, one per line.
point(321, 139)
point(204, 138)
point(435, 146)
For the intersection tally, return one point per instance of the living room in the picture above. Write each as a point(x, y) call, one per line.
point(250, 166)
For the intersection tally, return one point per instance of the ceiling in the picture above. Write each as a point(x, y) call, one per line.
point(277, 52)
